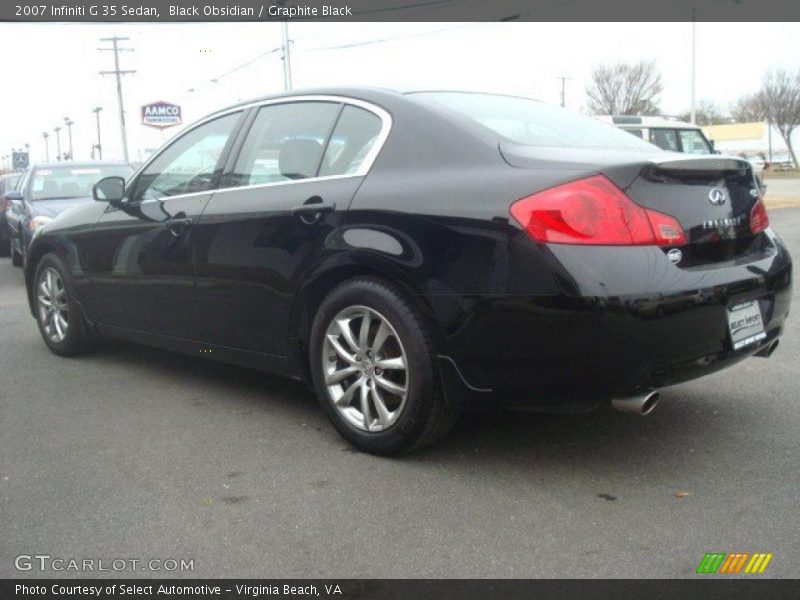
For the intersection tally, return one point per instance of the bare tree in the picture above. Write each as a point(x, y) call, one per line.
point(625, 89)
point(779, 98)
point(706, 113)
point(747, 109)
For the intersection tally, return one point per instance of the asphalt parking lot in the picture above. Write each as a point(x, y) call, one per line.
point(137, 453)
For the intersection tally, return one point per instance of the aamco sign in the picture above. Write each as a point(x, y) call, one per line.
point(161, 114)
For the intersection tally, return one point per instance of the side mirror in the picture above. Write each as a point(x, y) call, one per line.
point(12, 196)
point(109, 189)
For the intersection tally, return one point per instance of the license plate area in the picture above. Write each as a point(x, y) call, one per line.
point(745, 324)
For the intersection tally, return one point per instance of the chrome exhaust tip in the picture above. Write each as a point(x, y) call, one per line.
point(767, 351)
point(640, 404)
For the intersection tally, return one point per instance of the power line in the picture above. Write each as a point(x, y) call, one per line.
point(392, 38)
point(118, 73)
point(282, 49)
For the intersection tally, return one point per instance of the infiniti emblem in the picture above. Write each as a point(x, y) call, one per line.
point(675, 255)
point(716, 196)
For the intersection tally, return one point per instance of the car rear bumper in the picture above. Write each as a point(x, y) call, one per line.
point(613, 337)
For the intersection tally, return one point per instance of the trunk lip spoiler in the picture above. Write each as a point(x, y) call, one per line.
point(700, 163)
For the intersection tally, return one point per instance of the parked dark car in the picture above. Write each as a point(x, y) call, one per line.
point(413, 255)
point(7, 183)
point(46, 190)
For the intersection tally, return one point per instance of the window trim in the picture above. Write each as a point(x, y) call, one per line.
point(386, 126)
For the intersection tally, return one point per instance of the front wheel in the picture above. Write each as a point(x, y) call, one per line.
point(57, 311)
point(372, 362)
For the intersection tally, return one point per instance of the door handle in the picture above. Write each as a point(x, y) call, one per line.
point(314, 205)
point(312, 209)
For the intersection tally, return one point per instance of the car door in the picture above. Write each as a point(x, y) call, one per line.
point(140, 254)
point(288, 187)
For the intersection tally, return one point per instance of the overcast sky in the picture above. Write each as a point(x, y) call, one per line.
point(51, 70)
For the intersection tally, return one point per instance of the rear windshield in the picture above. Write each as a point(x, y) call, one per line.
point(534, 123)
point(55, 183)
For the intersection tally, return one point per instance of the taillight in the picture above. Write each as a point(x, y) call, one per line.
point(759, 220)
point(594, 211)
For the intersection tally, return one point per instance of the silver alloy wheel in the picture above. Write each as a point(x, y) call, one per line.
point(365, 368)
point(51, 299)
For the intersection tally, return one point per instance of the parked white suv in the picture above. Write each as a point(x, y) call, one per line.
point(674, 135)
point(669, 134)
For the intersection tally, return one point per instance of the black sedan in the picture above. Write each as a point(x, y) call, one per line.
point(413, 255)
point(46, 190)
point(7, 183)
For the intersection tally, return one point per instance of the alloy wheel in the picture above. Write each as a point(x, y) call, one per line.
point(51, 299)
point(365, 368)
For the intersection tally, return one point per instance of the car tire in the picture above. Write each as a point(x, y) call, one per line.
point(16, 257)
point(405, 406)
point(58, 313)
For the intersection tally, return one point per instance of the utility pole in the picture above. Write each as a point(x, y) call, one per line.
point(96, 110)
point(46, 135)
point(286, 56)
point(69, 123)
point(564, 90)
point(58, 143)
point(692, 114)
point(118, 73)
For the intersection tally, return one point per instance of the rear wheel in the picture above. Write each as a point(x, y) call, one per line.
point(372, 362)
point(57, 311)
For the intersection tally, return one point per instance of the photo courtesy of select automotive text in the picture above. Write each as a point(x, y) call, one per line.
point(399, 299)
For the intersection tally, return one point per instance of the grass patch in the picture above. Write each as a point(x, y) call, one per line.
point(788, 174)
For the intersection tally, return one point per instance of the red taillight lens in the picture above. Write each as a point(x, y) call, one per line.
point(759, 220)
point(594, 211)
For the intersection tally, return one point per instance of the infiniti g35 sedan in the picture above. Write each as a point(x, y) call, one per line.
point(414, 255)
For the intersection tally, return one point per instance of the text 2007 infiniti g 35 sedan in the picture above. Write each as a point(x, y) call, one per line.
point(412, 255)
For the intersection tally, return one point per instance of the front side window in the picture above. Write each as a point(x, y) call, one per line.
point(285, 143)
point(693, 142)
point(189, 164)
point(355, 135)
point(666, 139)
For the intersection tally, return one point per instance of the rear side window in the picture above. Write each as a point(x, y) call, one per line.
point(285, 143)
point(353, 138)
point(529, 122)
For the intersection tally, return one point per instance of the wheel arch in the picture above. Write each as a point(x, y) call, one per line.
point(37, 251)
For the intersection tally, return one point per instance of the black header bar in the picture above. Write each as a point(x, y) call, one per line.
point(398, 10)
point(705, 587)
